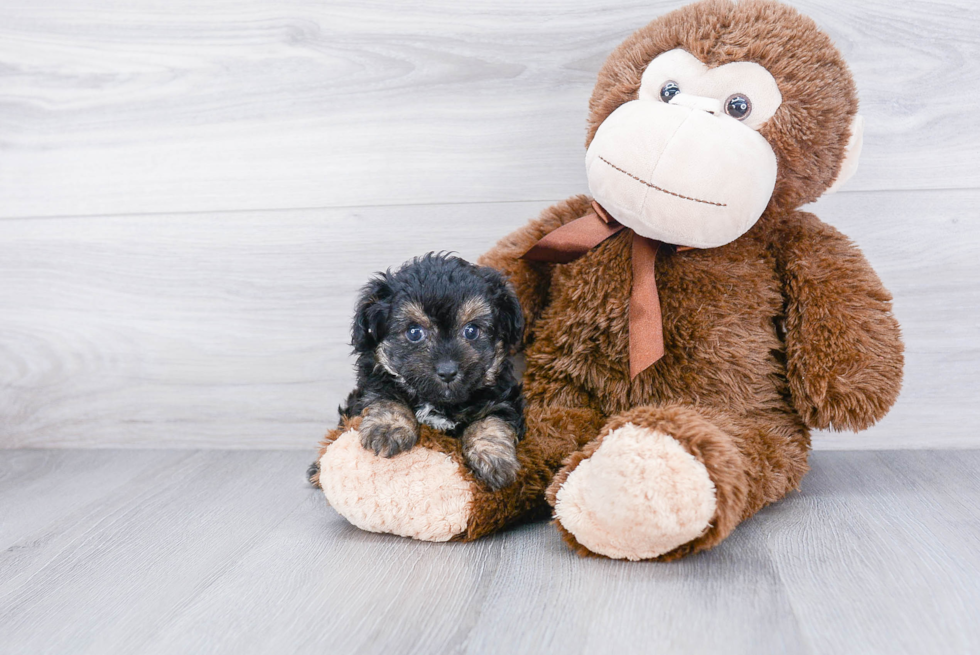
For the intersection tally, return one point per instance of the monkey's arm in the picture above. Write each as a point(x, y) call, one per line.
point(843, 345)
point(532, 280)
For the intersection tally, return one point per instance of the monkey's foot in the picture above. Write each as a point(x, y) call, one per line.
point(635, 494)
point(420, 493)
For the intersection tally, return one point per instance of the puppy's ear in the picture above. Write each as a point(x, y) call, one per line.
point(509, 317)
point(371, 316)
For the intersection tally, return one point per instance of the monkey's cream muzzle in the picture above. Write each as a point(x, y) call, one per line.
point(683, 173)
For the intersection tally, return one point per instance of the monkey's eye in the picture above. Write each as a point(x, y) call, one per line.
point(471, 332)
point(415, 333)
point(738, 106)
point(669, 90)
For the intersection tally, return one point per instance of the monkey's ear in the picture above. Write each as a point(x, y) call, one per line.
point(851, 155)
point(371, 316)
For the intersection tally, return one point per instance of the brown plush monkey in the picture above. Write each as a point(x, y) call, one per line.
point(677, 361)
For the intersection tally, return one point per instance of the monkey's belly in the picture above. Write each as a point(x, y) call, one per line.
point(720, 311)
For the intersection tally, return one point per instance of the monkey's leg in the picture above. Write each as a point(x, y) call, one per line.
point(429, 493)
point(664, 482)
point(553, 433)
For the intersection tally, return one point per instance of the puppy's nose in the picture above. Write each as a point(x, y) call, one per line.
point(447, 371)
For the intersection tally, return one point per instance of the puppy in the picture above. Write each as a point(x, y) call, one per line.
point(433, 342)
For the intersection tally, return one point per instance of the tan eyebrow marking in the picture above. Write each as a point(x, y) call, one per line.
point(472, 309)
point(412, 311)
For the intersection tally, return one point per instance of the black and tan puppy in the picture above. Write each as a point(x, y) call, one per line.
point(433, 342)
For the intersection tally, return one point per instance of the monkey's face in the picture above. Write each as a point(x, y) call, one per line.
point(684, 162)
point(715, 113)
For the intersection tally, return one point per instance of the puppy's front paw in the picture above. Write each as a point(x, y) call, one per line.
point(494, 470)
point(388, 428)
point(490, 449)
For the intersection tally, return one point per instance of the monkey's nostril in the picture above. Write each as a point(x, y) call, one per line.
point(447, 371)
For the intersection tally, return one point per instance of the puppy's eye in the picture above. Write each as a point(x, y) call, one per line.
point(471, 332)
point(415, 333)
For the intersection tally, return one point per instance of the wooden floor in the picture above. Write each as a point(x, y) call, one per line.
point(177, 551)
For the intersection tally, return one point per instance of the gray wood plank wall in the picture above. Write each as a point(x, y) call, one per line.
point(191, 193)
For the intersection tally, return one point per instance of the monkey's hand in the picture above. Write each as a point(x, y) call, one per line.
point(490, 450)
point(388, 428)
point(843, 345)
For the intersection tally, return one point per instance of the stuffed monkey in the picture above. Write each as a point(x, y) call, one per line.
point(687, 324)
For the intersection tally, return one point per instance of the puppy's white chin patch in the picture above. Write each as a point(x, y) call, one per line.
point(420, 493)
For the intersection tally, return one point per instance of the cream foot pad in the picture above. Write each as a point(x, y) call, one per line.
point(640, 495)
point(419, 493)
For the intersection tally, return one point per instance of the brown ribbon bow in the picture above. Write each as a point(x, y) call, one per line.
point(572, 240)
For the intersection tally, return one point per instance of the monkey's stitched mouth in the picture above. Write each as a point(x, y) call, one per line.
point(660, 189)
